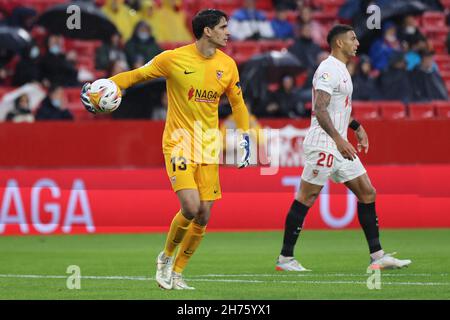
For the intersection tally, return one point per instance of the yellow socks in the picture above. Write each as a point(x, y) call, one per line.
point(177, 231)
point(190, 243)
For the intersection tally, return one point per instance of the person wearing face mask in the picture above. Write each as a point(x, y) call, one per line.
point(142, 46)
point(409, 33)
point(382, 49)
point(27, 69)
point(52, 108)
point(55, 66)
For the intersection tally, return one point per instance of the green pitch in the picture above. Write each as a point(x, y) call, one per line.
point(226, 266)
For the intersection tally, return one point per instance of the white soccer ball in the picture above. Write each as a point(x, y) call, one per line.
point(105, 95)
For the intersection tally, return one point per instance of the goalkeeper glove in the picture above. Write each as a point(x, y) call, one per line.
point(245, 144)
point(85, 98)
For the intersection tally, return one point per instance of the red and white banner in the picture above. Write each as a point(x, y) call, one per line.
point(97, 201)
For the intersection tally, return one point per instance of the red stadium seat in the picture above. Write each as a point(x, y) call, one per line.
point(72, 95)
point(435, 32)
point(277, 45)
point(228, 6)
point(421, 110)
point(324, 17)
point(265, 5)
point(365, 110)
point(446, 3)
point(433, 19)
point(171, 45)
point(392, 110)
point(442, 109)
point(244, 50)
point(438, 46)
point(329, 6)
point(445, 74)
point(300, 79)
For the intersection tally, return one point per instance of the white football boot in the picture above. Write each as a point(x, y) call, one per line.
point(289, 264)
point(164, 271)
point(178, 283)
point(388, 262)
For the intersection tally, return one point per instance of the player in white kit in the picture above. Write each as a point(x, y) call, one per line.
point(328, 154)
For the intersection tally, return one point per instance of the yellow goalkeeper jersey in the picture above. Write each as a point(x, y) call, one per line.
point(194, 87)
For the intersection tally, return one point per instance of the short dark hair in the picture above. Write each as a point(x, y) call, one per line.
point(337, 30)
point(206, 18)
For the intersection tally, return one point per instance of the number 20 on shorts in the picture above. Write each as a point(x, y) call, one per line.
point(322, 157)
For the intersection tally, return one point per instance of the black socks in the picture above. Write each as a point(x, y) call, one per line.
point(369, 222)
point(292, 227)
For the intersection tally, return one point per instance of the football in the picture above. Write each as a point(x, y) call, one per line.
point(105, 95)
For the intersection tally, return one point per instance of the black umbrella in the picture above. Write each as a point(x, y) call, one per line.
point(276, 64)
point(14, 39)
point(266, 68)
point(93, 23)
point(391, 11)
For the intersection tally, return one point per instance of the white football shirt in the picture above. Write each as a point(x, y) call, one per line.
point(332, 77)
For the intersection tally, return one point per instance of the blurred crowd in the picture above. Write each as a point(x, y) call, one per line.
point(399, 64)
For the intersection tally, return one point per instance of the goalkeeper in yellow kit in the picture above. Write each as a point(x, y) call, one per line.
point(197, 75)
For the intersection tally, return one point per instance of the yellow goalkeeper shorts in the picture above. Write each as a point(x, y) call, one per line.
point(203, 177)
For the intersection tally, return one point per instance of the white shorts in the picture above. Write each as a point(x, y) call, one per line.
point(321, 164)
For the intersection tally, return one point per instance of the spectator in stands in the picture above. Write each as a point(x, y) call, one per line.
point(427, 83)
point(248, 23)
point(123, 17)
point(160, 112)
point(305, 49)
point(142, 47)
point(412, 55)
point(318, 31)
point(280, 25)
point(109, 52)
point(56, 66)
point(285, 103)
point(52, 108)
point(147, 14)
point(22, 17)
point(21, 111)
point(170, 17)
point(395, 81)
point(382, 49)
point(409, 32)
point(28, 68)
point(364, 81)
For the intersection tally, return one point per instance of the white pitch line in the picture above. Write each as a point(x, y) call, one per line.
point(311, 274)
point(137, 278)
